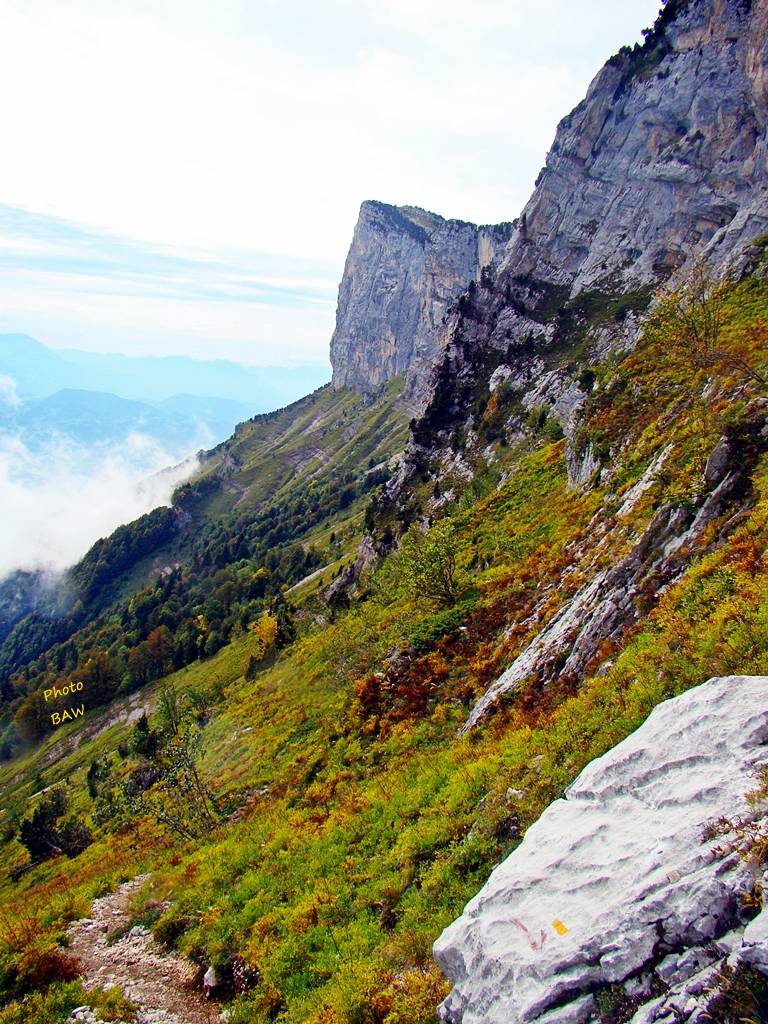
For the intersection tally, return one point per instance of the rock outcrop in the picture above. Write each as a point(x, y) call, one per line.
point(405, 266)
point(664, 158)
point(619, 894)
point(605, 606)
point(665, 155)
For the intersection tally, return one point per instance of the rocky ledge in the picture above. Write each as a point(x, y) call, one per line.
point(623, 891)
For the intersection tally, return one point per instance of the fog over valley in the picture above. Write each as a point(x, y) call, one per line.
point(89, 441)
point(60, 497)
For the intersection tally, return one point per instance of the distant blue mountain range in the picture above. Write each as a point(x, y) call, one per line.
point(100, 399)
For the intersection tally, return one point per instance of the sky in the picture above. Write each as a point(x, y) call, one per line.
point(183, 177)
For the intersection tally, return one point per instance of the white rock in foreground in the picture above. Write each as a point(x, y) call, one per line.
point(614, 884)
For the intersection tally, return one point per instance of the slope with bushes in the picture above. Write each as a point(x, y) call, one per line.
point(283, 498)
point(329, 818)
point(319, 749)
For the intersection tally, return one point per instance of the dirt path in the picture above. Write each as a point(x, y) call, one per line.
point(158, 982)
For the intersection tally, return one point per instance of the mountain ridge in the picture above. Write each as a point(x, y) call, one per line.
point(99, 419)
point(632, 135)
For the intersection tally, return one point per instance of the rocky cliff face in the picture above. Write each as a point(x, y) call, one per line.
point(665, 155)
point(405, 266)
point(603, 608)
point(619, 898)
point(664, 160)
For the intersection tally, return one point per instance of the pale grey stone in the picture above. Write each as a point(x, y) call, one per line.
point(640, 987)
point(718, 461)
point(617, 870)
point(754, 951)
point(633, 495)
point(404, 268)
point(499, 376)
point(645, 169)
point(582, 466)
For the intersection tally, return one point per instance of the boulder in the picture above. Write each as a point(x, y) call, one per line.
point(210, 980)
point(615, 893)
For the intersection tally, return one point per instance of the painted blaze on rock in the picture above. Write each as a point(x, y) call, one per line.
point(614, 884)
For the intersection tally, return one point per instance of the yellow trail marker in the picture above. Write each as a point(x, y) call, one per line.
point(559, 927)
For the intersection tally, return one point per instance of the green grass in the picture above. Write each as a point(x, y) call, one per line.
point(354, 822)
point(367, 841)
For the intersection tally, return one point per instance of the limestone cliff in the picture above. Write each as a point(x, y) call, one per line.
point(664, 160)
point(664, 156)
point(405, 266)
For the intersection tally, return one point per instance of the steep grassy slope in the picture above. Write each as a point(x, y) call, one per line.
point(350, 816)
point(281, 499)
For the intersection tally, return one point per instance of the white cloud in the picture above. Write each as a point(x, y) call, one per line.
point(87, 289)
point(8, 396)
point(57, 501)
point(148, 325)
point(259, 127)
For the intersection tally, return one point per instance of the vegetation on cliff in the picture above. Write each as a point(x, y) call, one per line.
point(282, 498)
point(311, 814)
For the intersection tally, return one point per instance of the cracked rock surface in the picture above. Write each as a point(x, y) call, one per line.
point(405, 267)
point(615, 885)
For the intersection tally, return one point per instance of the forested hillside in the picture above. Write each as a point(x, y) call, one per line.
point(283, 497)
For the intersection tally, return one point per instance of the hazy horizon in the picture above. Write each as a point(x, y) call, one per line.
point(83, 439)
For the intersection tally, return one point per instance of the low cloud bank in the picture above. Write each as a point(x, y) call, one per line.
point(8, 396)
point(57, 500)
